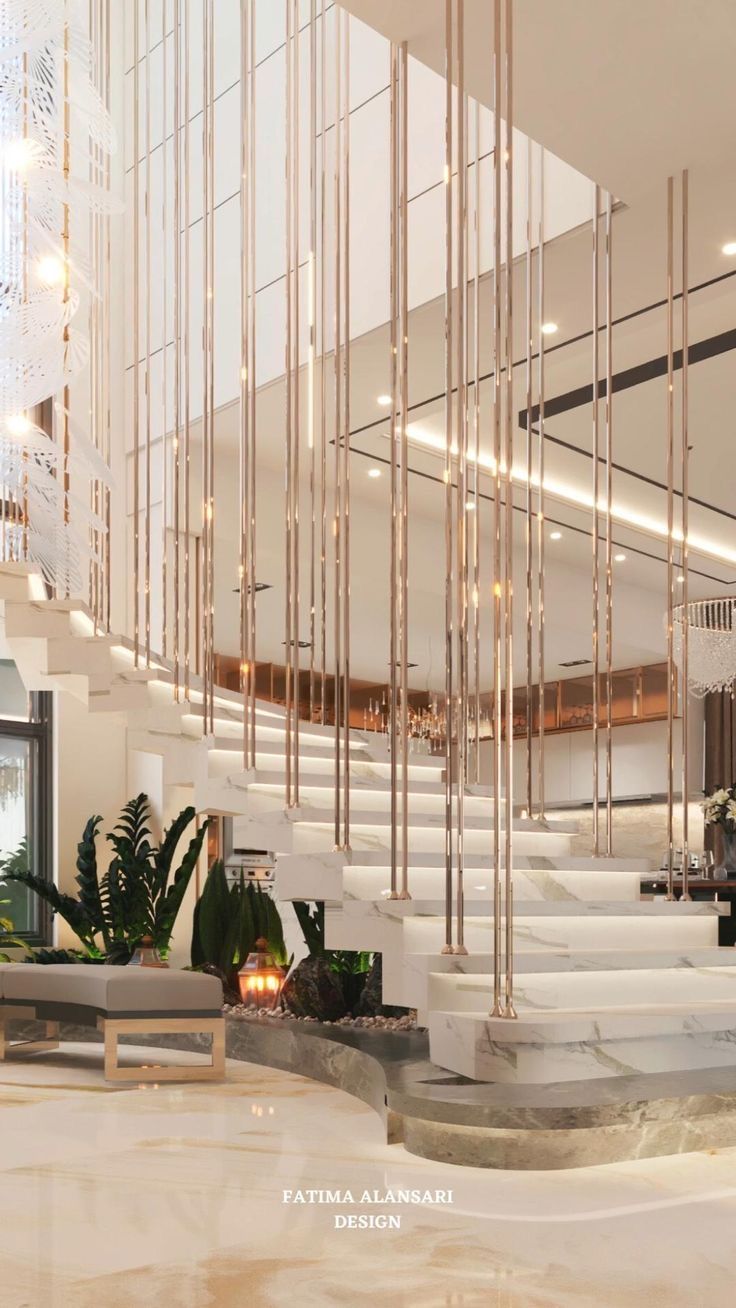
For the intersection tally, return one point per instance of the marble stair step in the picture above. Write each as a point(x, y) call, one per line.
point(379, 819)
point(372, 794)
point(581, 1044)
point(619, 930)
point(314, 837)
point(562, 885)
point(590, 989)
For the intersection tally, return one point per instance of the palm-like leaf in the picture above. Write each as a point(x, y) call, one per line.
point(72, 911)
point(87, 878)
point(168, 905)
point(164, 855)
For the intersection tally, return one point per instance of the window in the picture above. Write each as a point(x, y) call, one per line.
point(25, 797)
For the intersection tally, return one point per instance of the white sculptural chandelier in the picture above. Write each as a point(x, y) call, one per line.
point(711, 641)
point(47, 99)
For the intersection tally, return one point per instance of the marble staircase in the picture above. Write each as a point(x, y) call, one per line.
point(605, 983)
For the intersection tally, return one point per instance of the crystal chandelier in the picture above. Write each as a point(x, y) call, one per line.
point(47, 95)
point(711, 643)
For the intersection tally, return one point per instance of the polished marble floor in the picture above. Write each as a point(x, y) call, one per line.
point(173, 1197)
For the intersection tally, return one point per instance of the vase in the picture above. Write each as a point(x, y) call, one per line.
point(727, 868)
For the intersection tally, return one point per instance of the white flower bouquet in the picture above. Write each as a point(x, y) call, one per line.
point(719, 809)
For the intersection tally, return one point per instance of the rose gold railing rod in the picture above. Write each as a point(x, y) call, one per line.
point(529, 518)
point(322, 366)
point(609, 525)
point(337, 179)
point(670, 540)
point(596, 522)
point(461, 591)
point(312, 400)
point(449, 535)
point(346, 440)
point(289, 396)
point(685, 459)
point(296, 391)
point(186, 311)
point(147, 337)
point(164, 646)
point(252, 399)
point(245, 380)
point(508, 1009)
point(177, 349)
point(136, 337)
point(497, 756)
point(394, 226)
point(541, 519)
point(404, 460)
point(476, 461)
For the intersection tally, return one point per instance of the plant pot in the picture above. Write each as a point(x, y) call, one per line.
point(728, 867)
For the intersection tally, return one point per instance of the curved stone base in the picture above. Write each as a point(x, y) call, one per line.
point(449, 1119)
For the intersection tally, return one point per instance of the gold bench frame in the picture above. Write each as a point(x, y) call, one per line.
point(113, 1027)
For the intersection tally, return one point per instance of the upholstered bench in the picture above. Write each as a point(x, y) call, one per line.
point(117, 1000)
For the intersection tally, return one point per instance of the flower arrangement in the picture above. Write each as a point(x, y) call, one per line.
point(719, 809)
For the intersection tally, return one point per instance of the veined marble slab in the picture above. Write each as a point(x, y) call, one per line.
point(542, 1048)
point(528, 883)
point(310, 837)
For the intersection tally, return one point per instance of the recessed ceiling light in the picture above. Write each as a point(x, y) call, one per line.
point(619, 558)
point(680, 578)
point(729, 248)
point(549, 328)
point(470, 505)
point(384, 401)
point(19, 154)
point(555, 535)
point(374, 472)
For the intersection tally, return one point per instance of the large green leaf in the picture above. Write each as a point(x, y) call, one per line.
point(164, 856)
point(167, 908)
point(212, 914)
point(72, 911)
point(312, 924)
point(87, 879)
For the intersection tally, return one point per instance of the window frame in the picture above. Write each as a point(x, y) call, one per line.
point(38, 732)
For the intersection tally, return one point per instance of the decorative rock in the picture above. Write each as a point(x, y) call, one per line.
point(313, 991)
point(371, 1002)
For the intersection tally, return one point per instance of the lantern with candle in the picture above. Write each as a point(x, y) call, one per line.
point(260, 978)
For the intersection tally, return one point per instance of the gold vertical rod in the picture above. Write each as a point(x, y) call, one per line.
point(596, 521)
point(508, 1010)
point(251, 366)
point(211, 361)
point(346, 443)
point(404, 460)
point(476, 459)
point(288, 366)
point(312, 388)
point(66, 243)
point(322, 366)
point(136, 337)
point(296, 224)
point(684, 594)
point(461, 593)
point(243, 445)
point(164, 646)
point(106, 318)
point(670, 538)
point(497, 767)
point(541, 522)
point(449, 551)
point(147, 337)
point(177, 343)
point(529, 519)
point(609, 525)
point(186, 310)
point(338, 423)
point(394, 468)
point(205, 570)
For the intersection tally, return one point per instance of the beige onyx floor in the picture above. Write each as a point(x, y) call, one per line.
point(172, 1197)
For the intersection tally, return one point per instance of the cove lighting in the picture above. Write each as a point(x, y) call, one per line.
point(549, 328)
point(555, 535)
point(374, 472)
point(729, 248)
point(384, 401)
point(582, 499)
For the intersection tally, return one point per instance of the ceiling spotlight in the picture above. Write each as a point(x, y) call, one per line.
point(51, 270)
point(729, 248)
point(619, 558)
point(384, 401)
point(18, 424)
point(549, 328)
point(374, 472)
point(470, 505)
point(681, 578)
point(555, 535)
point(19, 154)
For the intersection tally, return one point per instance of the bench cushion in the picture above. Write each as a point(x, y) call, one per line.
point(116, 991)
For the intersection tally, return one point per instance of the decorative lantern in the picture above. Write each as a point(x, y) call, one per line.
point(260, 978)
point(146, 954)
